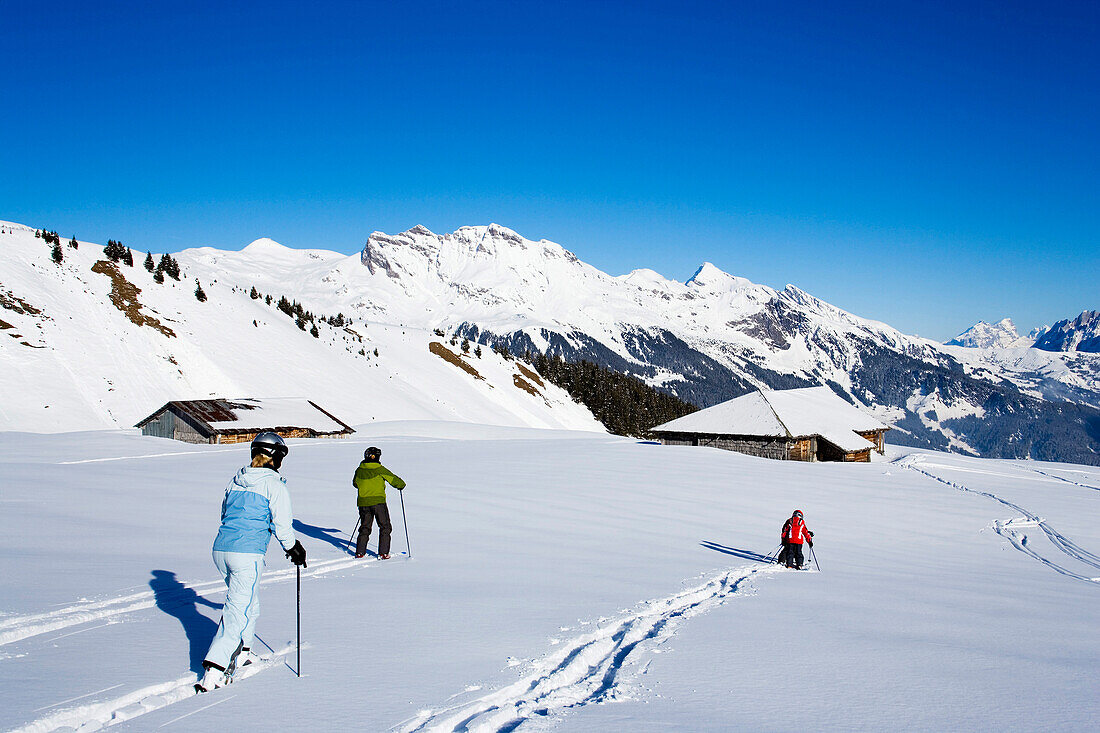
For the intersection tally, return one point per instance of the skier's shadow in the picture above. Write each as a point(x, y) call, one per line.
point(176, 599)
point(746, 554)
point(325, 534)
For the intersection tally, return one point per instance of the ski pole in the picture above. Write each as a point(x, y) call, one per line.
point(405, 522)
point(814, 556)
point(299, 569)
point(352, 535)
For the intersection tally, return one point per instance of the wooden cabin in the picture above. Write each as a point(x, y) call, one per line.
point(808, 424)
point(239, 421)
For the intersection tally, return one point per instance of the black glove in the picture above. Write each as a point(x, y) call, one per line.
point(297, 554)
point(811, 543)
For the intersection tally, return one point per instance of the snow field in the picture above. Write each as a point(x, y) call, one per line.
point(566, 580)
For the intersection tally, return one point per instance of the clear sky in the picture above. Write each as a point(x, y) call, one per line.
point(927, 164)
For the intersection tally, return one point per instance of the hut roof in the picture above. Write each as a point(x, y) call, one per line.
point(253, 415)
point(791, 413)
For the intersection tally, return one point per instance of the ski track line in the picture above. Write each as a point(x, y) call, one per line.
point(1005, 529)
point(126, 707)
point(586, 669)
point(17, 628)
point(1068, 481)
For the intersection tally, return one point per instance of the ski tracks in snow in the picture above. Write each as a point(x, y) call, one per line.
point(1010, 529)
point(96, 715)
point(586, 669)
point(17, 628)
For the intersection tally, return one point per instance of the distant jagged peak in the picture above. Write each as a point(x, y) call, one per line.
point(1079, 334)
point(982, 335)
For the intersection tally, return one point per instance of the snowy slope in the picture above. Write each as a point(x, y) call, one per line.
point(558, 580)
point(81, 363)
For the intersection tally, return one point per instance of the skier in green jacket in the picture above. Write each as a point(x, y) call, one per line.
point(370, 481)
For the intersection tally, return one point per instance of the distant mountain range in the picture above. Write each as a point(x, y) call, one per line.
point(1078, 334)
point(708, 339)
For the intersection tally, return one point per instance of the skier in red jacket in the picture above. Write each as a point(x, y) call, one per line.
point(794, 535)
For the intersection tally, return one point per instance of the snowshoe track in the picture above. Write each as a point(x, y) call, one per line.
point(96, 715)
point(1008, 528)
point(586, 669)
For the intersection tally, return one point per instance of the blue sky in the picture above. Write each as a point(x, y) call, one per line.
point(927, 164)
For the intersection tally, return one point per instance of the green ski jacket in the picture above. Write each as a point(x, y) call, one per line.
point(370, 479)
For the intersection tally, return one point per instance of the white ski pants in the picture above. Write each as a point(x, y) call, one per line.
point(241, 571)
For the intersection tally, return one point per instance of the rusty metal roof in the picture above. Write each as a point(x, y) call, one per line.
point(224, 416)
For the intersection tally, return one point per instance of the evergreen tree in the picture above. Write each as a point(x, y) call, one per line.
point(58, 255)
point(477, 351)
point(200, 295)
point(285, 306)
point(624, 404)
point(314, 332)
point(254, 295)
point(465, 346)
point(128, 257)
point(158, 275)
point(300, 322)
point(149, 262)
point(73, 243)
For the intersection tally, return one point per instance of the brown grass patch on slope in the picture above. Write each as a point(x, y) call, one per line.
point(13, 302)
point(525, 385)
point(530, 374)
point(124, 296)
point(4, 325)
point(449, 356)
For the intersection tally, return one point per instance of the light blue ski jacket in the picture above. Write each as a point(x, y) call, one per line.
point(256, 506)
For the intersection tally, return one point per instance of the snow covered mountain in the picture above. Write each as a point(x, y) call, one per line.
point(1001, 334)
point(1080, 334)
point(90, 344)
point(711, 338)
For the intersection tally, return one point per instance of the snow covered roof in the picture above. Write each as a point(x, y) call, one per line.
point(253, 415)
point(790, 413)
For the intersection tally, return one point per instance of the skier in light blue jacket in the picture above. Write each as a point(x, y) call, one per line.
point(256, 506)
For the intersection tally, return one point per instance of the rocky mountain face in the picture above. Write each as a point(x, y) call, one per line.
point(1080, 334)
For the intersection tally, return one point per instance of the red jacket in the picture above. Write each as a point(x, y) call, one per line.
point(795, 531)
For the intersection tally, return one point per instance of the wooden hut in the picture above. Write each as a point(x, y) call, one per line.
point(239, 421)
point(808, 424)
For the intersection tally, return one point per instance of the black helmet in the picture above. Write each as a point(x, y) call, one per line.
point(372, 454)
point(271, 445)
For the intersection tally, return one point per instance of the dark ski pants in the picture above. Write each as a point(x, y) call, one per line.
point(367, 515)
point(781, 558)
point(794, 555)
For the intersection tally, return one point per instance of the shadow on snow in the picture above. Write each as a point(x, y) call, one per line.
point(176, 599)
point(745, 554)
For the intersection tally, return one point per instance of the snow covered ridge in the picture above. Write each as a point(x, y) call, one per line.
point(711, 338)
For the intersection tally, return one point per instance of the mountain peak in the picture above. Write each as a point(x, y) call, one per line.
point(1080, 334)
point(713, 279)
point(982, 335)
point(264, 244)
